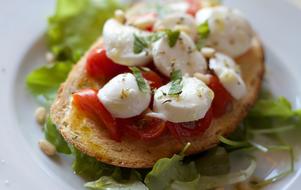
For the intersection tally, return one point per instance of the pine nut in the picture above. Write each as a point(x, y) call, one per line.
point(208, 52)
point(40, 115)
point(47, 148)
point(203, 77)
point(120, 16)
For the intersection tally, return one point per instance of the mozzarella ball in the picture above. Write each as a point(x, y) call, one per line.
point(229, 31)
point(191, 105)
point(229, 74)
point(122, 97)
point(183, 56)
point(119, 44)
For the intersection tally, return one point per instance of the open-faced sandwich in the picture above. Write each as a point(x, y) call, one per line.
point(160, 76)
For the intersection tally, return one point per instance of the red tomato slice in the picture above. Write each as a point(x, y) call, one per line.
point(155, 80)
point(222, 99)
point(100, 66)
point(86, 100)
point(143, 127)
point(194, 6)
point(190, 129)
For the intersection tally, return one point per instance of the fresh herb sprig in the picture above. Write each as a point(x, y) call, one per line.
point(143, 86)
point(203, 31)
point(172, 37)
point(176, 83)
point(141, 43)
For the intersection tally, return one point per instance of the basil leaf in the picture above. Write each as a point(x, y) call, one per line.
point(154, 37)
point(176, 83)
point(172, 37)
point(140, 44)
point(143, 86)
point(203, 31)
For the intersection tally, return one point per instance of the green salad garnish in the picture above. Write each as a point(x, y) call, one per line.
point(72, 29)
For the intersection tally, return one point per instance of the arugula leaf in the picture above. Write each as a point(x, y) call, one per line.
point(172, 37)
point(176, 83)
point(113, 183)
point(168, 170)
point(143, 86)
point(88, 167)
point(53, 136)
point(213, 162)
point(44, 82)
point(140, 44)
point(203, 31)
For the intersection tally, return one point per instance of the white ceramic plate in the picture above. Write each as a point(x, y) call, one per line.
point(22, 48)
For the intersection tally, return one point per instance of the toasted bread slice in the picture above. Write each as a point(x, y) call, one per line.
point(94, 140)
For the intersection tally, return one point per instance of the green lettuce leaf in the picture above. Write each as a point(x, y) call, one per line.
point(211, 182)
point(109, 183)
point(203, 173)
point(118, 182)
point(273, 113)
point(44, 81)
point(88, 167)
point(76, 24)
point(280, 107)
point(55, 138)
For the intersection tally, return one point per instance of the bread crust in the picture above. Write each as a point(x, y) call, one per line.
point(94, 140)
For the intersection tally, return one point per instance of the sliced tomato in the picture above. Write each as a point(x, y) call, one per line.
point(99, 66)
point(155, 80)
point(194, 6)
point(222, 99)
point(190, 129)
point(87, 101)
point(143, 127)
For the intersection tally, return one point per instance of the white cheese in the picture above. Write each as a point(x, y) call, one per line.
point(178, 21)
point(229, 75)
point(119, 44)
point(230, 32)
point(122, 98)
point(191, 105)
point(183, 56)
